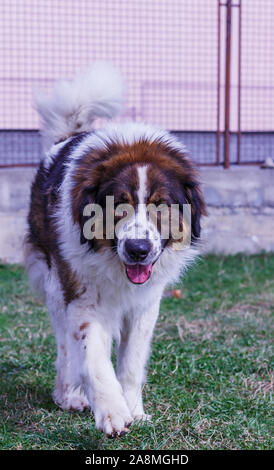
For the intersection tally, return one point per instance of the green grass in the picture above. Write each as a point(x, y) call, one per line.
point(209, 378)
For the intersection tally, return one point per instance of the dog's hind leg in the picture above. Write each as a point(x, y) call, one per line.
point(65, 394)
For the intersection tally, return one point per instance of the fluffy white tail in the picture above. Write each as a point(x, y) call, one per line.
point(73, 105)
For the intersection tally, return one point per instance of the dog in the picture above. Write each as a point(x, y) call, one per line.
point(100, 289)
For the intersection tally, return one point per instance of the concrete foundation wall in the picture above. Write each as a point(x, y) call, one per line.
point(241, 210)
point(240, 206)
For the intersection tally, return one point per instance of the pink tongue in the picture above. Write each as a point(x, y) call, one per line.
point(138, 273)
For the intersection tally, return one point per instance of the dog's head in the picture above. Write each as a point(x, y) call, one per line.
point(130, 198)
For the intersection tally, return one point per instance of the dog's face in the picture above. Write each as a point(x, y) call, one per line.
point(124, 200)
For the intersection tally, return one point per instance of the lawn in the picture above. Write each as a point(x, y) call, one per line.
point(209, 376)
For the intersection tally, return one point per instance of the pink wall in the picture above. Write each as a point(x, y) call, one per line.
point(166, 49)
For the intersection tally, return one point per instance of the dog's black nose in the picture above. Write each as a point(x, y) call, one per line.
point(137, 250)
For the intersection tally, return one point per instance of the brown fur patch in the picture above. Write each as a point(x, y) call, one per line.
point(84, 326)
point(43, 235)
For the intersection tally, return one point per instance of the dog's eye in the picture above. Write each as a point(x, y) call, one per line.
point(158, 201)
point(122, 199)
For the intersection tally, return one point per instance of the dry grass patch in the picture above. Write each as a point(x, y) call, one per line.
point(201, 328)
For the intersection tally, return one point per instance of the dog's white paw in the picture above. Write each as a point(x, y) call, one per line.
point(141, 418)
point(73, 400)
point(113, 421)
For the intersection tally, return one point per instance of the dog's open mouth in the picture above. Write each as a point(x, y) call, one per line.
point(138, 273)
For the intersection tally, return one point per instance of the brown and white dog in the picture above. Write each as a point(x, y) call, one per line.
point(100, 289)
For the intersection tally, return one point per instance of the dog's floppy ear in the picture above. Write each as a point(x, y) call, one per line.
point(192, 194)
point(80, 200)
point(88, 197)
point(195, 198)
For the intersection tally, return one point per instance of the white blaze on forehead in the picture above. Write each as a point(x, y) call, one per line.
point(139, 226)
point(141, 212)
point(142, 191)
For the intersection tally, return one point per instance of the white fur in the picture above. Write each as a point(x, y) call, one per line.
point(53, 151)
point(139, 225)
point(110, 307)
point(142, 191)
point(74, 105)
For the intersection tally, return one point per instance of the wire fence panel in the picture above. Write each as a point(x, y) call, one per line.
point(167, 52)
point(172, 55)
point(257, 81)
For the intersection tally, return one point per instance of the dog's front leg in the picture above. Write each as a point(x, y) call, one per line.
point(132, 355)
point(91, 366)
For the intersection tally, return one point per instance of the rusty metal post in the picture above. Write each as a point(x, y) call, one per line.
point(239, 82)
point(227, 84)
point(218, 133)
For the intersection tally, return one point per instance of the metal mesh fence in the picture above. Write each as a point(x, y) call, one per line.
point(168, 54)
point(257, 81)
